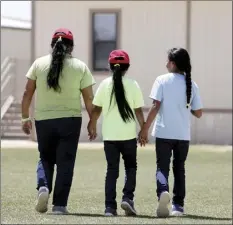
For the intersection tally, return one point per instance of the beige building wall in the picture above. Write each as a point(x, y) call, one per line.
point(211, 52)
point(146, 31)
point(15, 42)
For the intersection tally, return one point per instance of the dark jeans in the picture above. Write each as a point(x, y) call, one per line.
point(113, 149)
point(164, 149)
point(57, 144)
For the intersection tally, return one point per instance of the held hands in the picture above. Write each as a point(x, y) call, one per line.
point(143, 136)
point(27, 126)
point(91, 128)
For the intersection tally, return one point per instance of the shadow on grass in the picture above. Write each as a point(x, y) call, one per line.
point(188, 216)
point(102, 215)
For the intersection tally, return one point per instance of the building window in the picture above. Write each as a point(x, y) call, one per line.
point(104, 38)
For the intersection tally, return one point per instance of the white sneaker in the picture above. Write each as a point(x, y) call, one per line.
point(164, 200)
point(42, 200)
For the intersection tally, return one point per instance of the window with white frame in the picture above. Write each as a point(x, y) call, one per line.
point(104, 38)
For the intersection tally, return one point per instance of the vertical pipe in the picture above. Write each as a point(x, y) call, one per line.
point(188, 47)
point(33, 55)
point(188, 24)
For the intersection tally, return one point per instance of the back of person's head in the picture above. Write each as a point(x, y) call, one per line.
point(180, 59)
point(119, 63)
point(62, 45)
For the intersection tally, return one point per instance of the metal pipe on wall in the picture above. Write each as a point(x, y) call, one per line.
point(188, 24)
point(33, 57)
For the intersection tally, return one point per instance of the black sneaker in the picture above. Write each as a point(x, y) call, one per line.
point(110, 212)
point(128, 206)
point(59, 210)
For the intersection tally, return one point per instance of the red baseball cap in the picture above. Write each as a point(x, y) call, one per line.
point(119, 56)
point(64, 33)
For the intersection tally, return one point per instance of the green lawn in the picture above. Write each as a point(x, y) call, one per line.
point(208, 201)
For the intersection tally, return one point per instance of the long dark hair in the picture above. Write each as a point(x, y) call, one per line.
point(181, 59)
point(119, 92)
point(61, 47)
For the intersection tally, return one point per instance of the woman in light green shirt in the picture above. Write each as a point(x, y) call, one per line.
point(59, 80)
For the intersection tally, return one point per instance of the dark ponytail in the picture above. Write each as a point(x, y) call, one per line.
point(188, 84)
point(181, 59)
point(60, 48)
point(119, 92)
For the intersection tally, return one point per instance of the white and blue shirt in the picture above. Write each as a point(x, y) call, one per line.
point(173, 119)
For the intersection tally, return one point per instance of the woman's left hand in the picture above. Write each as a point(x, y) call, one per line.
point(91, 128)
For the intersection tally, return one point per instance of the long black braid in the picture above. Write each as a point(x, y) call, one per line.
point(119, 92)
point(188, 80)
point(61, 47)
point(182, 61)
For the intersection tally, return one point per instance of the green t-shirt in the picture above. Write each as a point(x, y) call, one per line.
point(113, 127)
point(67, 103)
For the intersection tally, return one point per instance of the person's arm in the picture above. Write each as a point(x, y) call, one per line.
point(29, 91)
point(95, 114)
point(197, 113)
point(91, 127)
point(140, 116)
point(97, 103)
point(196, 103)
point(138, 104)
point(27, 98)
point(157, 97)
point(86, 85)
point(152, 114)
point(88, 96)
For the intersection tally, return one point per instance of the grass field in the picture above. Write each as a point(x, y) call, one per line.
point(208, 201)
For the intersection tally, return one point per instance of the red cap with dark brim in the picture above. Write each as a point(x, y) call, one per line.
point(64, 33)
point(118, 56)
